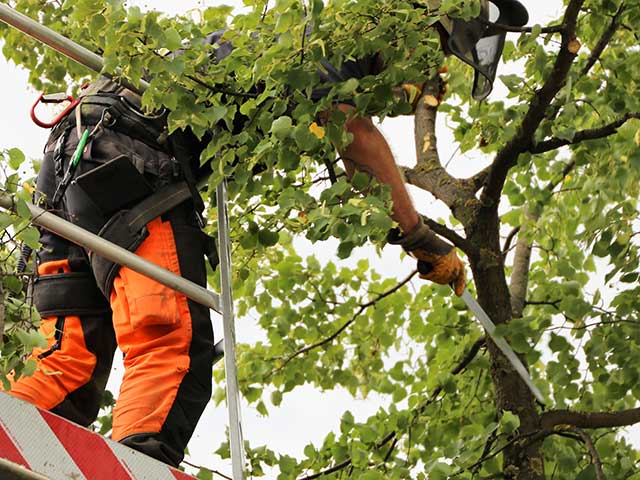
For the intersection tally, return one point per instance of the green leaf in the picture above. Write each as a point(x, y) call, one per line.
point(360, 180)
point(16, 158)
point(282, 127)
point(349, 86)
point(172, 38)
point(267, 238)
point(30, 236)
point(204, 474)
point(509, 422)
point(30, 367)
point(12, 283)
point(588, 473)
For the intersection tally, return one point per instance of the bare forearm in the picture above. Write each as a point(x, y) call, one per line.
point(369, 152)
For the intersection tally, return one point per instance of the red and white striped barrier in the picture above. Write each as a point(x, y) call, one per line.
point(61, 450)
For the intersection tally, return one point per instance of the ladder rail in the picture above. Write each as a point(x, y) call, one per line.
point(231, 370)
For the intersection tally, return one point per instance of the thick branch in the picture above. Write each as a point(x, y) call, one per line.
point(478, 180)
point(584, 135)
point(522, 260)
point(624, 418)
point(521, 141)
point(445, 232)
point(519, 283)
point(429, 174)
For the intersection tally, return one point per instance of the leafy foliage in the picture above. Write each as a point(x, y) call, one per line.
point(18, 318)
point(571, 198)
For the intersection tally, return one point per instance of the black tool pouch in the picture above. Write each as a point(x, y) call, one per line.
point(96, 195)
point(117, 230)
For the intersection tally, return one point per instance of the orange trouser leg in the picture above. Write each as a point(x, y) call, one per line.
point(66, 366)
point(154, 328)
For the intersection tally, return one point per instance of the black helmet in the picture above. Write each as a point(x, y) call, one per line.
point(479, 42)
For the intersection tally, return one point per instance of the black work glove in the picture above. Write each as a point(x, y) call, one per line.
point(437, 259)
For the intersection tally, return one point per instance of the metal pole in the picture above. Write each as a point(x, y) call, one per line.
point(116, 254)
point(233, 392)
point(62, 44)
point(13, 471)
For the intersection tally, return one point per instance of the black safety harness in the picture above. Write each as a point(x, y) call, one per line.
point(112, 107)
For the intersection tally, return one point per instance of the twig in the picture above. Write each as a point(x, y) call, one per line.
point(604, 41)
point(595, 457)
point(215, 472)
point(344, 326)
point(583, 135)
point(514, 29)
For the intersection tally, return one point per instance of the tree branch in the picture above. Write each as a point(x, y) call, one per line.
point(606, 37)
point(344, 326)
point(462, 364)
point(445, 232)
point(215, 472)
point(514, 29)
point(466, 360)
point(595, 458)
point(507, 242)
point(429, 173)
point(519, 281)
point(584, 135)
point(624, 418)
point(507, 157)
point(478, 180)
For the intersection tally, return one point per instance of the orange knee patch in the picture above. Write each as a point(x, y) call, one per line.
point(62, 370)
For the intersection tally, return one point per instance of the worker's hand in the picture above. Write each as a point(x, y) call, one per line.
point(437, 259)
point(443, 269)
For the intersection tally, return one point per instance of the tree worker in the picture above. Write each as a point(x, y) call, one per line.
point(90, 305)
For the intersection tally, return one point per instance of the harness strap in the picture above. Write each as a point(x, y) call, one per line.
point(156, 204)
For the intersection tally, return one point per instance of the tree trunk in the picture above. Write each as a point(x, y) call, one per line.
point(523, 460)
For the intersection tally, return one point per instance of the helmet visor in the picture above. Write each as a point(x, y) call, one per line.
point(479, 42)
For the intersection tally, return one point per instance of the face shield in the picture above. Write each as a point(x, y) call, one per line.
point(479, 43)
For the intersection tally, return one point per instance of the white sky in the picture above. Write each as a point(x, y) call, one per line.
point(305, 415)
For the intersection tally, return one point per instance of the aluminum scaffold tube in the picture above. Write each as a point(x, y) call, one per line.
point(113, 252)
point(61, 44)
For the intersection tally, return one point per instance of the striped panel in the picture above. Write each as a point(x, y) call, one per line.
point(8, 450)
point(89, 450)
point(36, 442)
point(61, 450)
point(140, 466)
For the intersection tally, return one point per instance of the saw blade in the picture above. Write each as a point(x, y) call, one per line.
point(501, 343)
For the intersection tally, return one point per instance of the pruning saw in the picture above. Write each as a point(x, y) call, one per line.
point(501, 343)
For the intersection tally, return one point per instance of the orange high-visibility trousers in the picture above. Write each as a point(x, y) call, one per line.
point(166, 340)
